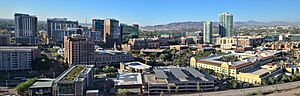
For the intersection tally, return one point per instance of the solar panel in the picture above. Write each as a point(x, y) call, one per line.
point(194, 72)
point(160, 74)
point(178, 73)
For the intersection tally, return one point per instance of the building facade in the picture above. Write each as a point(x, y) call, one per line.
point(25, 28)
point(207, 32)
point(17, 57)
point(177, 80)
point(129, 32)
point(239, 41)
point(246, 61)
point(57, 26)
point(4, 39)
point(111, 33)
point(74, 81)
point(111, 57)
point(226, 25)
point(79, 49)
point(98, 26)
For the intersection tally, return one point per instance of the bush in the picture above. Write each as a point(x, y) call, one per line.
point(23, 87)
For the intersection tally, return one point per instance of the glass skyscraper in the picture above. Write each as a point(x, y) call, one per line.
point(207, 32)
point(226, 25)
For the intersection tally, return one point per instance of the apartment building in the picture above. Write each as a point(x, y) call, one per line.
point(107, 57)
point(17, 57)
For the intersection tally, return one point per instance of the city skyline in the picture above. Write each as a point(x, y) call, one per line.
point(154, 12)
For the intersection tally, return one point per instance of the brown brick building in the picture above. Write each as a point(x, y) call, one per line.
point(79, 49)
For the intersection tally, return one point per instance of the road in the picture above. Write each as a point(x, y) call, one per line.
point(238, 92)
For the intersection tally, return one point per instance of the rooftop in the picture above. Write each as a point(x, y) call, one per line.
point(137, 65)
point(42, 84)
point(129, 79)
point(74, 73)
point(164, 75)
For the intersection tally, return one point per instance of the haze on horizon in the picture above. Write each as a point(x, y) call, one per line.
point(153, 12)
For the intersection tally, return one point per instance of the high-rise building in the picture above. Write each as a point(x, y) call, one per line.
point(207, 32)
point(25, 28)
point(4, 39)
point(129, 32)
point(98, 26)
point(79, 49)
point(57, 26)
point(226, 25)
point(111, 33)
point(17, 57)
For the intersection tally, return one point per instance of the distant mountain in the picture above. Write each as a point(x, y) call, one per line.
point(198, 25)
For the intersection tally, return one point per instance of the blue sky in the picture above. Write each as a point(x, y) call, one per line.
point(151, 12)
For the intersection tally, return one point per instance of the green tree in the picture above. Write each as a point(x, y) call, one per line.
point(23, 87)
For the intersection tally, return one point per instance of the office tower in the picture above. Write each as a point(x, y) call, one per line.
point(98, 26)
point(226, 25)
point(207, 32)
point(79, 49)
point(129, 32)
point(111, 33)
point(57, 26)
point(25, 29)
point(4, 39)
point(17, 57)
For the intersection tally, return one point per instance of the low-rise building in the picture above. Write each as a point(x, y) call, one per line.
point(17, 57)
point(245, 61)
point(233, 42)
point(257, 75)
point(134, 67)
point(177, 79)
point(42, 87)
point(130, 81)
point(141, 43)
point(74, 81)
point(107, 57)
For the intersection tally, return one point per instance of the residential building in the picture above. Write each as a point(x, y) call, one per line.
point(239, 41)
point(226, 25)
point(4, 39)
point(109, 57)
point(129, 32)
point(246, 61)
point(177, 79)
point(79, 49)
point(42, 87)
point(207, 32)
point(111, 33)
point(74, 81)
point(17, 57)
point(134, 67)
point(98, 26)
point(283, 45)
point(56, 28)
point(25, 28)
point(141, 43)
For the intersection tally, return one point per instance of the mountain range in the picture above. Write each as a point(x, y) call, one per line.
point(198, 25)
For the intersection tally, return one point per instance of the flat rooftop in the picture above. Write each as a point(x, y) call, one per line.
point(165, 75)
point(42, 84)
point(74, 73)
point(128, 79)
point(137, 65)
